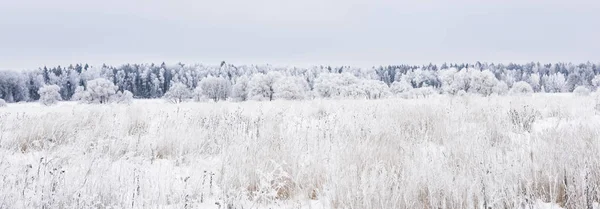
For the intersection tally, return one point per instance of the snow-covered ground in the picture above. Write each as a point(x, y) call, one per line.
point(541, 151)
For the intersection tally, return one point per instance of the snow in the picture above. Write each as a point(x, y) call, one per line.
point(437, 152)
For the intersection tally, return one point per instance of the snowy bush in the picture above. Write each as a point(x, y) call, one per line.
point(581, 91)
point(98, 91)
point(123, 97)
point(333, 85)
point(49, 95)
point(80, 94)
point(374, 89)
point(521, 88)
point(290, 88)
point(178, 93)
point(501, 88)
point(260, 86)
point(2, 103)
point(483, 82)
point(399, 87)
point(523, 118)
point(214, 88)
point(239, 91)
point(417, 93)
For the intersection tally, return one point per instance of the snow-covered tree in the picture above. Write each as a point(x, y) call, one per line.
point(501, 88)
point(581, 91)
point(554, 83)
point(374, 89)
point(454, 80)
point(399, 87)
point(80, 94)
point(260, 87)
point(521, 88)
point(178, 93)
point(49, 95)
point(239, 90)
point(123, 97)
point(215, 88)
point(98, 91)
point(290, 88)
point(337, 85)
point(596, 81)
point(2, 103)
point(535, 82)
point(483, 82)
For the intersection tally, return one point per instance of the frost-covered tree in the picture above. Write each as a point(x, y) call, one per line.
point(260, 87)
point(178, 93)
point(80, 94)
point(399, 87)
point(596, 81)
point(239, 91)
point(483, 82)
point(333, 85)
point(123, 97)
point(2, 103)
point(535, 82)
point(215, 88)
point(374, 89)
point(98, 91)
point(573, 80)
point(501, 88)
point(290, 88)
point(581, 91)
point(554, 83)
point(454, 80)
point(49, 95)
point(521, 88)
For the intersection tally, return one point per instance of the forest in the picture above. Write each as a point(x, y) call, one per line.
point(265, 82)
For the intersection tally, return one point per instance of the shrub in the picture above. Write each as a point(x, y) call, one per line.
point(524, 118)
point(521, 88)
point(581, 91)
point(49, 95)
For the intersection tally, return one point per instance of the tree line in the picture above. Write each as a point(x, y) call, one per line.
point(266, 82)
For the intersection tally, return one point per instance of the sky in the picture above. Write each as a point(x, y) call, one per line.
point(36, 33)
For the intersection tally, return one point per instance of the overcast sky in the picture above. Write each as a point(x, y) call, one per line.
point(34, 33)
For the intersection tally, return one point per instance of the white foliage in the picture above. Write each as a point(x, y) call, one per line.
point(437, 152)
point(470, 80)
point(534, 81)
point(501, 88)
point(178, 93)
point(581, 91)
point(521, 88)
point(260, 87)
point(483, 82)
point(123, 97)
point(215, 88)
point(555, 83)
point(333, 85)
point(49, 95)
point(374, 89)
point(239, 90)
point(422, 92)
point(98, 91)
point(399, 87)
point(290, 88)
point(80, 94)
point(596, 81)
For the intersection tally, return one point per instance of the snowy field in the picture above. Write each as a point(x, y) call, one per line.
point(540, 151)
